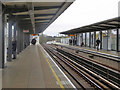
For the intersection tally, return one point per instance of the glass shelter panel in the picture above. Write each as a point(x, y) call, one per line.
point(97, 37)
point(112, 35)
point(81, 38)
point(84, 38)
point(105, 40)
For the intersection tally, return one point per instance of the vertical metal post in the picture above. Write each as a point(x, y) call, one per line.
point(117, 40)
point(85, 39)
point(3, 44)
point(28, 39)
point(82, 37)
point(72, 40)
point(94, 39)
point(90, 39)
point(101, 39)
point(22, 40)
point(1, 50)
point(10, 41)
point(15, 29)
point(18, 39)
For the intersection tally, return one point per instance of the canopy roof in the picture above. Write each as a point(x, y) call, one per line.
point(103, 25)
point(35, 16)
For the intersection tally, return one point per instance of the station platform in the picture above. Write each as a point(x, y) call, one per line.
point(109, 59)
point(34, 68)
point(113, 53)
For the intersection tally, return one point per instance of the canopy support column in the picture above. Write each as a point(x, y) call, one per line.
point(94, 39)
point(90, 39)
point(10, 40)
point(117, 40)
point(85, 39)
point(22, 40)
point(1, 37)
point(15, 29)
point(18, 39)
point(101, 39)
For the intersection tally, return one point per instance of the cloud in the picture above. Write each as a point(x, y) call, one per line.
point(84, 12)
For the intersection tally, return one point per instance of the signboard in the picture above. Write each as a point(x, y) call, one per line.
point(26, 31)
point(35, 34)
point(72, 35)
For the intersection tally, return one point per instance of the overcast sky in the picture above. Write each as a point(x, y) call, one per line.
point(83, 12)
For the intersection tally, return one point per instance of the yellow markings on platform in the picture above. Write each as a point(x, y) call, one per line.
point(58, 80)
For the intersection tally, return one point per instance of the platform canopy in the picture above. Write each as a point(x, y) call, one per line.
point(35, 16)
point(103, 25)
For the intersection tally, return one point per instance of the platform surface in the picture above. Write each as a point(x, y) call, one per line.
point(31, 70)
point(115, 53)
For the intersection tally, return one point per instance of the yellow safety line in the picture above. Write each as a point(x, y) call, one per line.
point(53, 71)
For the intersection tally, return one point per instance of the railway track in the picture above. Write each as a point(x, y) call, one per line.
point(91, 55)
point(93, 79)
point(105, 72)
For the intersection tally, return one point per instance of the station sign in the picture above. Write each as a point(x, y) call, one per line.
point(26, 31)
point(72, 35)
point(35, 34)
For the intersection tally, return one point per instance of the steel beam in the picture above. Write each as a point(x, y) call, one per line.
point(31, 13)
point(36, 15)
point(16, 9)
